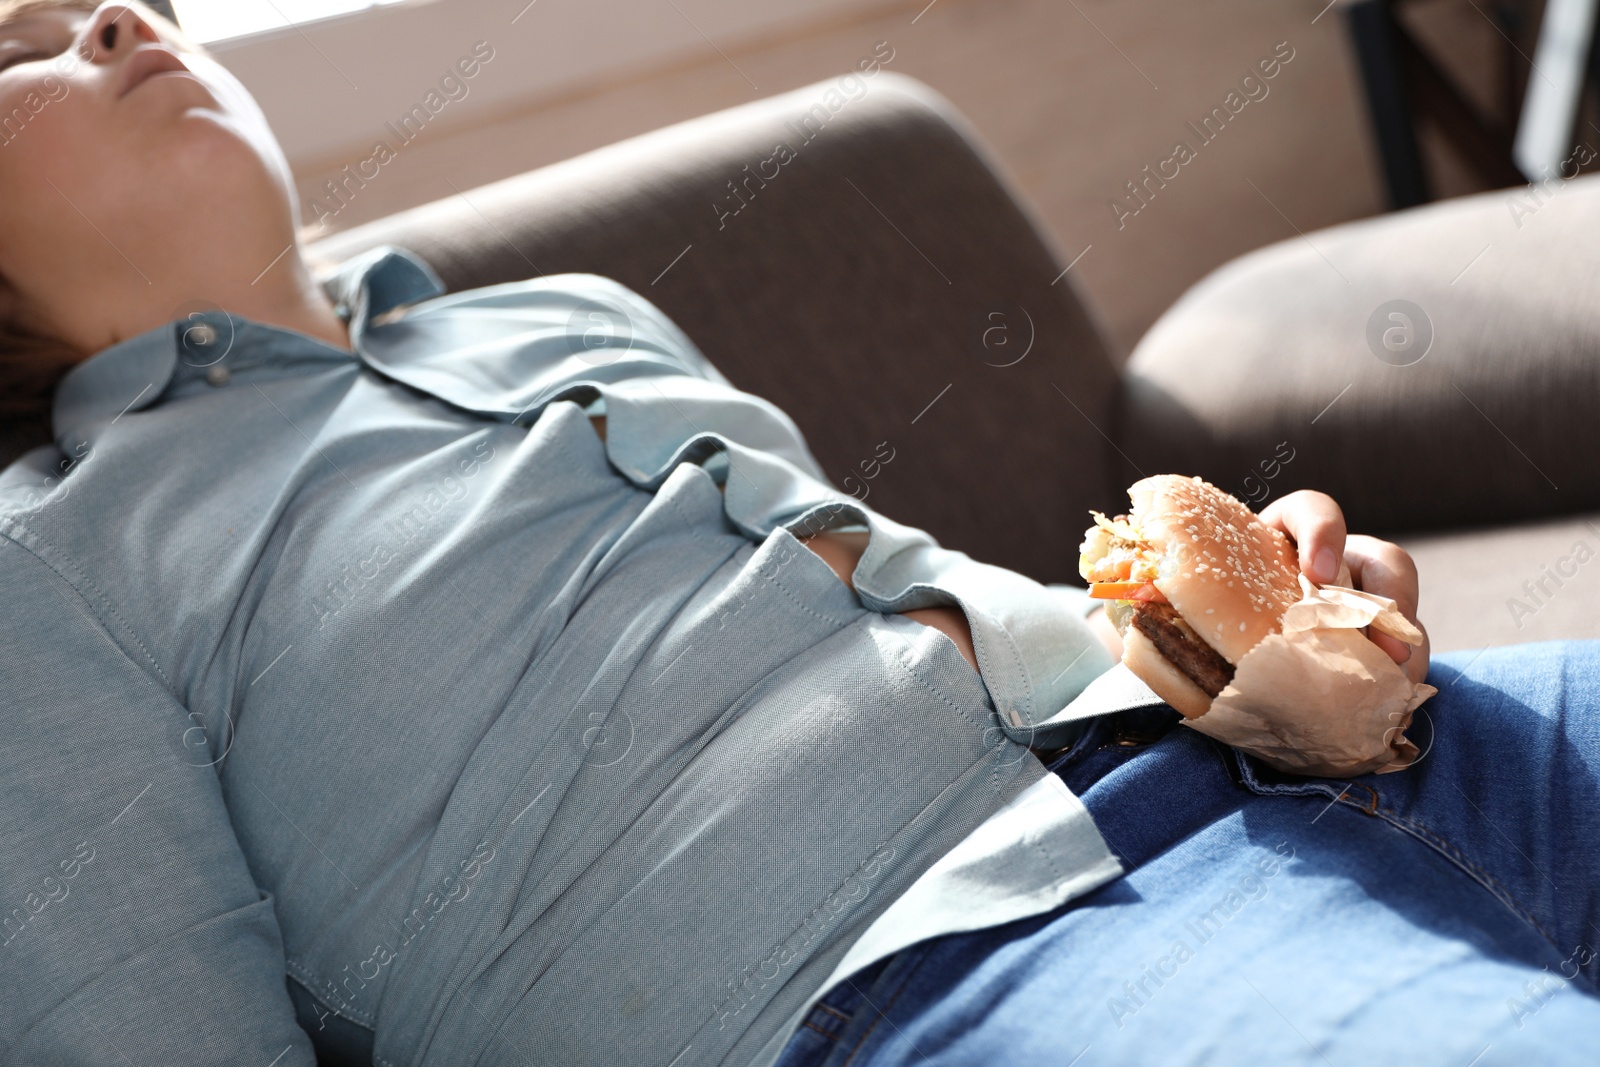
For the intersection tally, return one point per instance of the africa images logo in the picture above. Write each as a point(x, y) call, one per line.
point(452, 87)
point(811, 122)
point(1251, 86)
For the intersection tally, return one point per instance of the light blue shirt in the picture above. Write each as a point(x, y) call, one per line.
point(380, 669)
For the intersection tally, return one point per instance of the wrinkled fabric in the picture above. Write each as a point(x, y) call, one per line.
point(506, 743)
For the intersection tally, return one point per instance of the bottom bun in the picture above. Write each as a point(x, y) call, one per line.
point(1145, 660)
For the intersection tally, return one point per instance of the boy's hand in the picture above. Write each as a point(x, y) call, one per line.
point(1316, 526)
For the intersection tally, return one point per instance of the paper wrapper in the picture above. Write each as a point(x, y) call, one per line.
point(1319, 698)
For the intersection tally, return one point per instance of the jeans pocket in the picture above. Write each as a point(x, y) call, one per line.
point(1262, 780)
point(1266, 781)
point(815, 1040)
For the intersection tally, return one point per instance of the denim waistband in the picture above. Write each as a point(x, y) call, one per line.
point(1109, 741)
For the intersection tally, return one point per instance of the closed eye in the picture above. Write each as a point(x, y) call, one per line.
point(17, 57)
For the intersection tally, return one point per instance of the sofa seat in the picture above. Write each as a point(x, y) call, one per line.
point(1499, 585)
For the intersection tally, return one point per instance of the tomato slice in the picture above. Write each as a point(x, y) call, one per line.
point(1126, 591)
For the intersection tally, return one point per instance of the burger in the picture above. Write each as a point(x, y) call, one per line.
point(1192, 580)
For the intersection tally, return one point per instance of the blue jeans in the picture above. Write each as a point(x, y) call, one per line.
point(1446, 914)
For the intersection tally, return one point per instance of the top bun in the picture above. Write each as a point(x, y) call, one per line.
point(1230, 575)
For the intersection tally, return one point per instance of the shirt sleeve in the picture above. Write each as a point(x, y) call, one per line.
point(132, 929)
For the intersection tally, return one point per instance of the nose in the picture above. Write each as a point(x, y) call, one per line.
point(114, 30)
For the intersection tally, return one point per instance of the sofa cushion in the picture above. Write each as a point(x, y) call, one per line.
point(1292, 349)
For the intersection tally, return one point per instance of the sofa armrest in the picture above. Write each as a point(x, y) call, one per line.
point(881, 282)
point(1281, 352)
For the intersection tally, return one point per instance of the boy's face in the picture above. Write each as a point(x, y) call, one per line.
point(117, 134)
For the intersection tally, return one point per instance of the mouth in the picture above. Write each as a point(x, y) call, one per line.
point(150, 61)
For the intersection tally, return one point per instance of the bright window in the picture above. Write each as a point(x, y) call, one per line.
point(213, 20)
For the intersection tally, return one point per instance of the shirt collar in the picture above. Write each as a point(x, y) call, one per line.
point(134, 373)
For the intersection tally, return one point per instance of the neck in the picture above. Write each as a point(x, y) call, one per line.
point(294, 301)
point(284, 295)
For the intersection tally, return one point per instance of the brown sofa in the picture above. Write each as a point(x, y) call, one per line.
point(888, 287)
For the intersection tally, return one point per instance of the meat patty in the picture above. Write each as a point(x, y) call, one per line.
point(1199, 662)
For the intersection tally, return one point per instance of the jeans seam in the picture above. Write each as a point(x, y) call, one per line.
point(1373, 807)
point(1460, 860)
point(1370, 808)
point(883, 1012)
point(833, 1017)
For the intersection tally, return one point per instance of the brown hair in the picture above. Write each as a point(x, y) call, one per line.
point(32, 361)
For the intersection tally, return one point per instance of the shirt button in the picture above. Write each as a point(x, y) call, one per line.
point(202, 334)
point(217, 374)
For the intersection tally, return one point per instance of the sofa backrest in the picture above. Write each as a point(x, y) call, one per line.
point(1432, 368)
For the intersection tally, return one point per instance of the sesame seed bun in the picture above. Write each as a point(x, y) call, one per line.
point(1230, 575)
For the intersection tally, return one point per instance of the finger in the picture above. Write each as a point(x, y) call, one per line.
point(1316, 525)
point(1387, 570)
point(1383, 568)
point(1393, 647)
point(1412, 659)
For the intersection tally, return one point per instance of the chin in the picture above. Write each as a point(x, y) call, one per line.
point(216, 158)
point(236, 114)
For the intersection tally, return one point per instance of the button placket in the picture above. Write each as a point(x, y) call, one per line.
point(203, 347)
